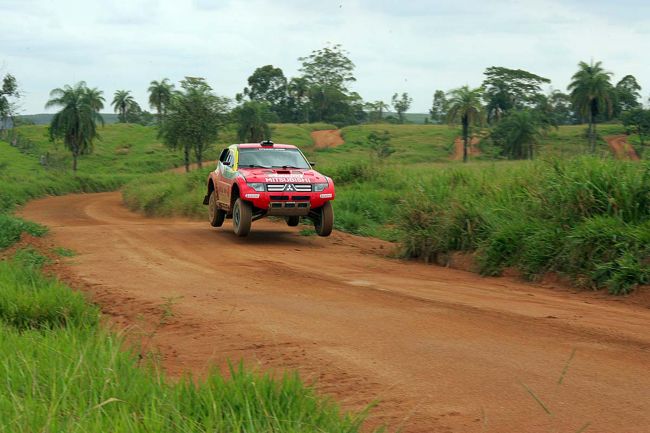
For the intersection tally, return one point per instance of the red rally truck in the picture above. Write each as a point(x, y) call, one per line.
point(255, 180)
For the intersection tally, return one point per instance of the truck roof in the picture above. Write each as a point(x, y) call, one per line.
point(259, 145)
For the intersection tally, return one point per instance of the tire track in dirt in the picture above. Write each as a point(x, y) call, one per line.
point(439, 348)
point(621, 148)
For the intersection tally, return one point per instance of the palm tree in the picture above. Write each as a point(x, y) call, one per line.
point(518, 133)
point(160, 94)
point(465, 105)
point(591, 93)
point(76, 123)
point(123, 102)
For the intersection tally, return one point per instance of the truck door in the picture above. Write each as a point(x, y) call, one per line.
point(225, 176)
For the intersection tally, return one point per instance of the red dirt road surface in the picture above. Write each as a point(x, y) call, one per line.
point(442, 350)
point(327, 138)
point(621, 148)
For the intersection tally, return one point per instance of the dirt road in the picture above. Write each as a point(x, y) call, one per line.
point(621, 148)
point(443, 350)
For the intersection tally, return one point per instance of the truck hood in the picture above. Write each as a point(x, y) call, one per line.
point(270, 175)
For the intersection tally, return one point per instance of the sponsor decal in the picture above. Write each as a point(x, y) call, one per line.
point(252, 195)
point(293, 179)
point(326, 196)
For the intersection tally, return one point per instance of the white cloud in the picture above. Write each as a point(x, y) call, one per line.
point(415, 46)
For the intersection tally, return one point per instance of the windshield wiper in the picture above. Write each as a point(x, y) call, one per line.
point(253, 166)
point(285, 166)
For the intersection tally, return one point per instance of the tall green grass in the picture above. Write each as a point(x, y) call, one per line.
point(168, 194)
point(30, 301)
point(586, 218)
point(61, 372)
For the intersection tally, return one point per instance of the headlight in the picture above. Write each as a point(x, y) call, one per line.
point(318, 187)
point(258, 186)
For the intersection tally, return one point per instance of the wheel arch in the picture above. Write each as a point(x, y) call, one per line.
point(206, 199)
point(234, 194)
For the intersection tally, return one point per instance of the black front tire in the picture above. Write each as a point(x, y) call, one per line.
point(324, 219)
point(293, 221)
point(242, 217)
point(216, 216)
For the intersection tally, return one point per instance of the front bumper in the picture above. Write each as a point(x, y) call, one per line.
point(288, 204)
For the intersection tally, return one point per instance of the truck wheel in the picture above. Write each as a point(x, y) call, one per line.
point(242, 216)
point(324, 220)
point(293, 221)
point(215, 215)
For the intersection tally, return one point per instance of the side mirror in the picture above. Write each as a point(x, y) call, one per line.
point(313, 164)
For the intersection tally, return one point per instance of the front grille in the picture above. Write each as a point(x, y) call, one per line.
point(301, 197)
point(288, 187)
point(279, 197)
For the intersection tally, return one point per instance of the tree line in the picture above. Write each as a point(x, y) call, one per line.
point(510, 101)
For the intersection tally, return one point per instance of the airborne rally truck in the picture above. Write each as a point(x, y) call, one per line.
point(255, 180)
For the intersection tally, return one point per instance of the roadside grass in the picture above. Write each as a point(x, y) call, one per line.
point(29, 300)
point(60, 371)
point(12, 227)
point(168, 194)
point(640, 149)
point(586, 218)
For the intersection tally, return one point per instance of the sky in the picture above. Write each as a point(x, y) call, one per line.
point(412, 46)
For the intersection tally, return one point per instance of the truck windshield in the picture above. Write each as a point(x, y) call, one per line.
point(272, 158)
